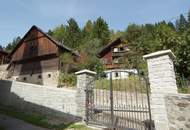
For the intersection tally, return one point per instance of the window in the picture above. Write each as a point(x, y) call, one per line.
point(116, 60)
point(104, 61)
point(116, 74)
point(39, 76)
point(115, 50)
point(121, 49)
point(49, 75)
point(61, 64)
point(24, 78)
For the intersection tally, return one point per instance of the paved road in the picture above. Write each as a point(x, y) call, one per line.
point(10, 123)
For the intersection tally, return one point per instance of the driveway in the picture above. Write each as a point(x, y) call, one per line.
point(10, 123)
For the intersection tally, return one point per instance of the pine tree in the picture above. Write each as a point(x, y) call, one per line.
point(101, 31)
point(59, 33)
point(181, 24)
point(188, 18)
point(88, 28)
point(171, 25)
point(72, 34)
point(12, 45)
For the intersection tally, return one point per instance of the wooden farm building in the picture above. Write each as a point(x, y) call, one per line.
point(35, 59)
point(113, 54)
point(113, 57)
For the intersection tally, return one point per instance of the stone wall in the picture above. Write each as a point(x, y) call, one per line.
point(3, 71)
point(50, 101)
point(178, 111)
point(45, 78)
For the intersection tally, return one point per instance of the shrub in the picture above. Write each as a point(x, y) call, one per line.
point(67, 80)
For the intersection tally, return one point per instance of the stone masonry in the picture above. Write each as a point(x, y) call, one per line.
point(178, 111)
point(45, 78)
point(48, 101)
point(162, 81)
point(3, 71)
point(84, 79)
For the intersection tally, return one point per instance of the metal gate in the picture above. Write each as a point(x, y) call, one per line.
point(119, 100)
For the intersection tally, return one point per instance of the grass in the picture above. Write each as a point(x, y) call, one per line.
point(131, 84)
point(184, 90)
point(77, 127)
point(38, 120)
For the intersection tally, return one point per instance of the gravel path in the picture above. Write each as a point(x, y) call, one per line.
point(10, 123)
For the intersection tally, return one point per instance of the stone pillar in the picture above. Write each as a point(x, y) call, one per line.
point(84, 77)
point(162, 81)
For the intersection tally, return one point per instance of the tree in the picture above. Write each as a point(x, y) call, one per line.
point(50, 32)
point(59, 33)
point(115, 34)
point(101, 31)
point(1, 48)
point(181, 24)
point(72, 34)
point(166, 38)
point(183, 56)
point(171, 25)
point(89, 51)
point(12, 45)
point(188, 18)
point(87, 30)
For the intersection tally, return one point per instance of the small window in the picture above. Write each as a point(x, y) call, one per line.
point(39, 76)
point(49, 75)
point(104, 61)
point(115, 50)
point(61, 64)
point(116, 74)
point(121, 49)
point(24, 78)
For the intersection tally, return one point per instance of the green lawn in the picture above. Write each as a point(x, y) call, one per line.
point(131, 84)
point(38, 120)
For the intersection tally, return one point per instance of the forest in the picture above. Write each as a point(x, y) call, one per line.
point(141, 40)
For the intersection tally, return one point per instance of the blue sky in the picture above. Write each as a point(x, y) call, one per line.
point(17, 16)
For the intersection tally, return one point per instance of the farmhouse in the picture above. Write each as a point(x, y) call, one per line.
point(113, 58)
point(35, 59)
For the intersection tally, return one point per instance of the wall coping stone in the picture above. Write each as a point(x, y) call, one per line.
point(160, 53)
point(85, 71)
point(39, 86)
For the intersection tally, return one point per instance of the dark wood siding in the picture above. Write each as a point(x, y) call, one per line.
point(35, 67)
point(36, 54)
point(35, 44)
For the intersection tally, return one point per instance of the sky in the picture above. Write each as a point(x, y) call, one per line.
point(17, 16)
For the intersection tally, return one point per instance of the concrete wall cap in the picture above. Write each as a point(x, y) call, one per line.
point(160, 53)
point(85, 71)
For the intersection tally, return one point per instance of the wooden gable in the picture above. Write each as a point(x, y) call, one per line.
point(34, 44)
